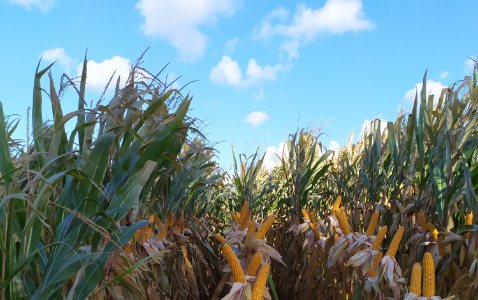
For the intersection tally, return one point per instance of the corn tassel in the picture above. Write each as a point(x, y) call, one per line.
point(234, 264)
point(316, 232)
point(219, 238)
point(373, 224)
point(416, 280)
point(468, 221)
point(251, 230)
point(245, 220)
point(336, 205)
point(376, 261)
point(261, 233)
point(428, 276)
point(379, 238)
point(254, 264)
point(344, 225)
point(421, 221)
point(163, 232)
point(395, 242)
point(234, 217)
point(260, 282)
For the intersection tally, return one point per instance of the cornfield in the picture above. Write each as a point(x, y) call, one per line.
point(131, 204)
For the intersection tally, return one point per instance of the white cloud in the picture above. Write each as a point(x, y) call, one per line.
point(334, 146)
point(43, 5)
point(272, 156)
point(443, 75)
point(367, 126)
point(59, 54)
point(470, 64)
point(228, 71)
point(279, 13)
point(257, 118)
point(433, 88)
point(98, 74)
point(335, 17)
point(177, 22)
point(231, 45)
point(259, 95)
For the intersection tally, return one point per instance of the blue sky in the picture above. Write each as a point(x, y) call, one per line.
point(264, 68)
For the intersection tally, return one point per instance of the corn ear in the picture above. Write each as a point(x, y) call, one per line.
point(305, 214)
point(219, 238)
point(379, 238)
point(336, 205)
point(244, 209)
point(336, 237)
point(260, 282)
point(397, 238)
point(344, 225)
point(170, 218)
point(234, 264)
point(373, 224)
point(261, 233)
point(317, 233)
point(251, 230)
point(234, 217)
point(245, 220)
point(468, 221)
point(422, 221)
point(428, 276)
point(376, 261)
point(163, 232)
point(416, 280)
point(254, 264)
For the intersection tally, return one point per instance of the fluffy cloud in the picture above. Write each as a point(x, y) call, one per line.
point(177, 22)
point(231, 45)
point(443, 75)
point(272, 156)
point(367, 126)
point(257, 118)
point(228, 71)
point(59, 54)
point(43, 5)
point(335, 17)
point(433, 88)
point(98, 74)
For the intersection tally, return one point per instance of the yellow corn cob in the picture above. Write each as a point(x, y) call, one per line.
point(245, 220)
point(428, 276)
point(244, 209)
point(234, 227)
point(127, 249)
point(146, 232)
point(379, 238)
point(238, 215)
point(157, 221)
point(261, 233)
point(163, 232)
point(344, 225)
point(260, 282)
point(336, 205)
point(392, 250)
point(373, 224)
point(416, 280)
point(254, 264)
point(305, 214)
point(251, 230)
point(430, 227)
point(435, 235)
point(137, 235)
point(219, 238)
point(316, 231)
point(312, 220)
point(180, 226)
point(336, 237)
point(421, 221)
point(376, 261)
point(468, 221)
point(151, 219)
point(170, 218)
point(234, 264)
point(234, 217)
